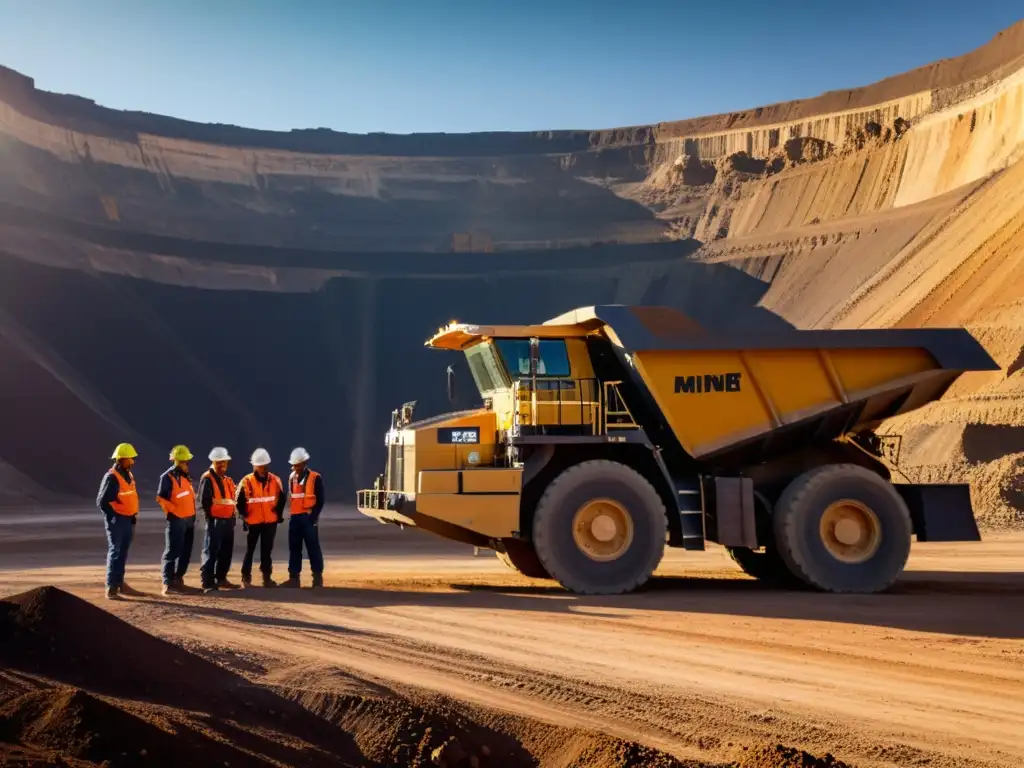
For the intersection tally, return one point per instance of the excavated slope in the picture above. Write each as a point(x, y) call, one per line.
point(166, 281)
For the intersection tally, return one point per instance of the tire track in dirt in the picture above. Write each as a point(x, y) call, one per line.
point(748, 692)
point(712, 665)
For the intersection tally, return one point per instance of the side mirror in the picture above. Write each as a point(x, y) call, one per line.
point(534, 355)
point(451, 385)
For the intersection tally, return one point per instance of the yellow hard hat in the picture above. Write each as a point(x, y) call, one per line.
point(125, 451)
point(180, 453)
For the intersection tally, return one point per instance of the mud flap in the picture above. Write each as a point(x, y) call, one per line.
point(940, 512)
point(735, 523)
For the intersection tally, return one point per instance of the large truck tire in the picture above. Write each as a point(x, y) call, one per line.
point(521, 557)
point(599, 528)
point(842, 528)
point(767, 566)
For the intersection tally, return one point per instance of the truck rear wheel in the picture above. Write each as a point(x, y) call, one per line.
point(520, 556)
point(599, 528)
point(842, 528)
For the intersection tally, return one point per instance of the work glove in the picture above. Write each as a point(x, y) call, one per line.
point(245, 526)
point(316, 521)
point(135, 519)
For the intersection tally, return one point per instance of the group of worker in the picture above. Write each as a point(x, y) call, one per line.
point(259, 500)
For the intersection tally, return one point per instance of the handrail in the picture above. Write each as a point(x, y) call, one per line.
point(616, 407)
point(597, 407)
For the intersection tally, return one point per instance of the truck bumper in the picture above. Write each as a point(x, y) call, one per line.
point(387, 506)
point(397, 508)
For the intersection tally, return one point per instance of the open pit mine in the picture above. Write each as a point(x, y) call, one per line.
point(165, 282)
point(142, 257)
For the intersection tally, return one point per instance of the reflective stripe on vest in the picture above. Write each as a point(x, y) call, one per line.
point(303, 499)
point(183, 498)
point(127, 502)
point(259, 506)
point(223, 505)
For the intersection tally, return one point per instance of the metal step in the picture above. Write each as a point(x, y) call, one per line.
point(691, 511)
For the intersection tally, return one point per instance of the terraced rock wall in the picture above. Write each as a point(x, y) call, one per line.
point(164, 281)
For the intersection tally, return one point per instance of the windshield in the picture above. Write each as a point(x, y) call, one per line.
point(486, 369)
point(554, 360)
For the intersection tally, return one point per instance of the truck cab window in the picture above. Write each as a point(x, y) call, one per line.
point(485, 369)
point(515, 353)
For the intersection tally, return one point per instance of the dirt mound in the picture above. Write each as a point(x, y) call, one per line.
point(163, 699)
point(50, 632)
point(616, 753)
point(68, 722)
point(779, 756)
point(398, 732)
point(64, 725)
point(402, 732)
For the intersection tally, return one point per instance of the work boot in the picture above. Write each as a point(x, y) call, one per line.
point(318, 580)
point(269, 582)
point(175, 587)
point(208, 588)
point(124, 589)
point(112, 593)
point(246, 582)
point(181, 586)
point(225, 584)
point(292, 582)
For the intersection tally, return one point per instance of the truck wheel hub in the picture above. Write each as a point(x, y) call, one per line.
point(850, 531)
point(602, 529)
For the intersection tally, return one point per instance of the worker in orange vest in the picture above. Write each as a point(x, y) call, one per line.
point(260, 500)
point(306, 499)
point(177, 499)
point(118, 499)
point(217, 499)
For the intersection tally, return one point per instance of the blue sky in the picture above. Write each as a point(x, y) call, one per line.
point(458, 66)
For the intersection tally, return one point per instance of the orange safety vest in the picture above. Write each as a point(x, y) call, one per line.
point(183, 498)
point(223, 502)
point(261, 498)
point(127, 502)
point(303, 499)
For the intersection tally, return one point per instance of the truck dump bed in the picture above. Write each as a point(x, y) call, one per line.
point(730, 395)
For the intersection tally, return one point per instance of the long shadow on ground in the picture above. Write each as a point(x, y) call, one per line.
point(972, 604)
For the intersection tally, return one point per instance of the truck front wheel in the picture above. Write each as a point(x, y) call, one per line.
point(843, 528)
point(599, 528)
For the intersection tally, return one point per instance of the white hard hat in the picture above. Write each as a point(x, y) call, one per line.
point(220, 454)
point(298, 456)
point(260, 457)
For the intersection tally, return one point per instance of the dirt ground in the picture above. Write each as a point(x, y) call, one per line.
point(704, 664)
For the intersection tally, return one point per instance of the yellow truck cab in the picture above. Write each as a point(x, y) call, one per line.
point(609, 432)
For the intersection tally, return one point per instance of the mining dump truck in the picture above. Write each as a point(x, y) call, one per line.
point(611, 432)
